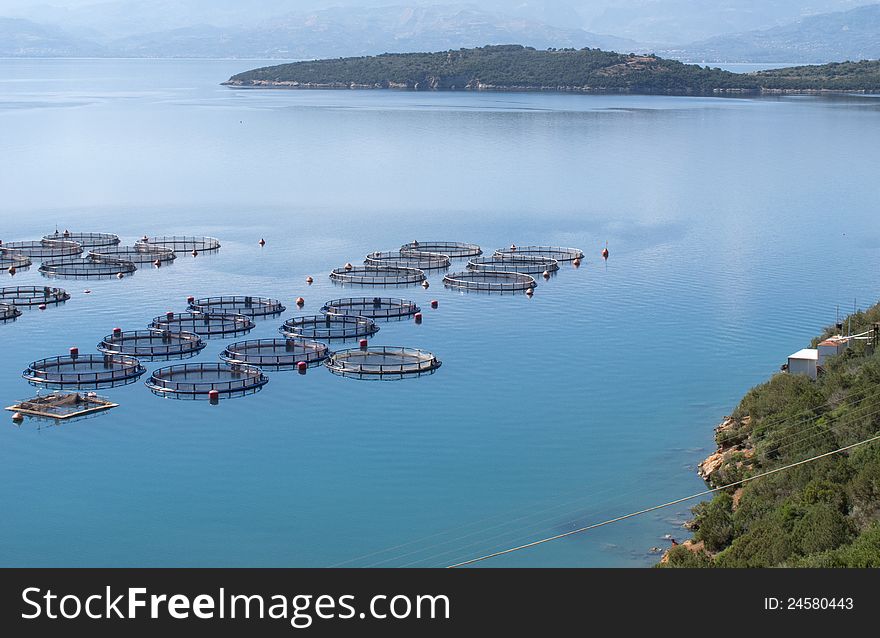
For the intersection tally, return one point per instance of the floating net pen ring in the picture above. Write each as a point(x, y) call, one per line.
point(84, 371)
point(275, 353)
point(378, 275)
point(372, 307)
point(203, 324)
point(202, 380)
point(33, 295)
point(134, 254)
point(13, 259)
point(323, 327)
point(45, 248)
point(559, 253)
point(242, 305)
point(181, 242)
point(528, 264)
point(86, 269)
point(410, 259)
point(86, 240)
point(8, 312)
point(454, 249)
point(382, 361)
point(495, 281)
point(152, 344)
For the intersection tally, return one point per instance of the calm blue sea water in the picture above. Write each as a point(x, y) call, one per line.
point(736, 226)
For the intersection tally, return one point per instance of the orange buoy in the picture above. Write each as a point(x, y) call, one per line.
point(262, 242)
point(300, 301)
point(434, 303)
point(17, 417)
point(302, 367)
point(418, 317)
point(309, 280)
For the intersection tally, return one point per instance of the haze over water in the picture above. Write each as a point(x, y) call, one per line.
point(736, 226)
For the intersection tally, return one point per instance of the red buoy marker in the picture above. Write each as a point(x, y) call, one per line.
point(605, 251)
point(418, 317)
point(434, 303)
point(363, 343)
point(214, 396)
point(302, 367)
point(74, 352)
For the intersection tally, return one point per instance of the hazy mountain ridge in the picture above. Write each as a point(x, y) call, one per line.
point(845, 35)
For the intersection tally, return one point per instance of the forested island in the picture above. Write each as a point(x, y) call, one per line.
point(823, 513)
point(519, 68)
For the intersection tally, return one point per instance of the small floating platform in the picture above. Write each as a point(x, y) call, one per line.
point(63, 405)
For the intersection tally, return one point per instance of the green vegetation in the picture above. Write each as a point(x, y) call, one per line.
point(825, 513)
point(514, 67)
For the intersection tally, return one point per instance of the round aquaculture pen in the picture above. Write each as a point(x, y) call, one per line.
point(528, 264)
point(86, 240)
point(136, 254)
point(276, 353)
point(247, 306)
point(45, 248)
point(409, 259)
point(8, 312)
point(181, 242)
point(323, 327)
point(454, 249)
point(152, 344)
point(558, 253)
point(33, 295)
point(382, 362)
point(378, 275)
point(206, 380)
point(495, 281)
point(371, 307)
point(86, 268)
point(12, 259)
point(204, 325)
point(91, 371)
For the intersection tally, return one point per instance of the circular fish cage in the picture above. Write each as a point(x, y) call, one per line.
point(204, 325)
point(454, 249)
point(378, 275)
point(528, 264)
point(181, 242)
point(494, 281)
point(91, 371)
point(12, 259)
point(275, 353)
point(136, 254)
point(152, 344)
point(409, 259)
point(33, 295)
point(324, 327)
point(247, 306)
point(8, 312)
point(86, 240)
point(382, 362)
point(553, 252)
point(86, 268)
point(201, 380)
point(45, 248)
point(371, 307)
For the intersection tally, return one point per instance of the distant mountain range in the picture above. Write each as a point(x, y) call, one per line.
point(845, 35)
point(266, 29)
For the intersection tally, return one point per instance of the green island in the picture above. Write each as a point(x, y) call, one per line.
point(823, 513)
point(519, 68)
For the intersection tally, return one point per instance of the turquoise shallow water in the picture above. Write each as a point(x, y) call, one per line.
point(736, 226)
